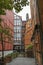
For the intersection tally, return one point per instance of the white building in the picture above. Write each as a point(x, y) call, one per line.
point(17, 32)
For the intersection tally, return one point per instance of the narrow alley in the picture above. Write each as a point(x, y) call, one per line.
point(22, 61)
point(21, 32)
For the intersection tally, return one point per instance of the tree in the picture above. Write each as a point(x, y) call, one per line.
point(9, 4)
point(4, 31)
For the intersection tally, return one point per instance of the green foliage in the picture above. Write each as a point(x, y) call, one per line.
point(18, 5)
point(1, 29)
point(13, 55)
point(2, 12)
point(30, 46)
point(6, 31)
point(9, 4)
point(0, 20)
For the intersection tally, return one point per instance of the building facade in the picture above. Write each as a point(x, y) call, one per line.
point(6, 33)
point(27, 38)
point(28, 33)
point(37, 37)
point(17, 33)
point(23, 34)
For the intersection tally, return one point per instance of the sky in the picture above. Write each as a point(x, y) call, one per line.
point(24, 11)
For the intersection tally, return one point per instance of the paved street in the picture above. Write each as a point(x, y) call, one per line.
point(22, 61)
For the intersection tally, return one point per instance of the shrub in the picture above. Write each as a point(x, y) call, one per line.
point(30, 46)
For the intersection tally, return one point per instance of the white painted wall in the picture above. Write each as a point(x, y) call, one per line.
point(6, 53)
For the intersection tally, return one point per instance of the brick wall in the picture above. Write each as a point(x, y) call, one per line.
point(7, 24)
point(28, 32)
point(37, 17)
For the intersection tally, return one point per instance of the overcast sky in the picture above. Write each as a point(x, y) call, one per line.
point(23, 13)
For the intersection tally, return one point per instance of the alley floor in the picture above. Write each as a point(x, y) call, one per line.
point(22, 61)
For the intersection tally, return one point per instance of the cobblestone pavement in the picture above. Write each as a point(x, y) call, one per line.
point(22, 61)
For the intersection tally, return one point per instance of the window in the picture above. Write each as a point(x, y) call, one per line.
point(17, 29)
point(18, 34)
point(17, 22)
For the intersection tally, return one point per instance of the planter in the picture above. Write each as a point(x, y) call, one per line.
point(2, 63)
point(8, 59)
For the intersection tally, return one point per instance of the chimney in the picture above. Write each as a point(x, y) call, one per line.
point(27, 17)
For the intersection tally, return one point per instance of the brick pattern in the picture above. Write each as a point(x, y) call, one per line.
point(28, 32)
point(37, 17)
point(7, 24)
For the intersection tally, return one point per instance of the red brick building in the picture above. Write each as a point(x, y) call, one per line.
point(23, 34)
point(28, 33)
point(7, 27)
point(37, 38)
